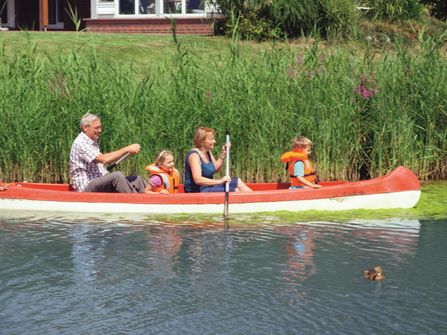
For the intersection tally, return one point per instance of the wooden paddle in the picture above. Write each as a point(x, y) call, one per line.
point(227, 173)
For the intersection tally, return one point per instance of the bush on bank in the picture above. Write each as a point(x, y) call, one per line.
point(334, 19)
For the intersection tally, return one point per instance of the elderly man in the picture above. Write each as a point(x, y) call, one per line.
point(87, 171)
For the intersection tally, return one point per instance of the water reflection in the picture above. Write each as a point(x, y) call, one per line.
point(163, 245)
point(86, 252)
point(299, 247)
point(140, 277)
point(398, 239)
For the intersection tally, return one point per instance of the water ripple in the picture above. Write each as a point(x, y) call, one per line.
point(152, 277)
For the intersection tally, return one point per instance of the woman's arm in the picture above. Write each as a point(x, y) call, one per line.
point(196, 171)
point(220, 161)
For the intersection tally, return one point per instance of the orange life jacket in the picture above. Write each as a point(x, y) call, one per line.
point(290, 158)
point(170, 180)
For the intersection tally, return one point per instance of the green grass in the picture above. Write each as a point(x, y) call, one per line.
point(149, 90)
point(142, 51)
point(432, 205)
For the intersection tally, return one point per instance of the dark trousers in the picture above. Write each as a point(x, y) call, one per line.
point(117, 182)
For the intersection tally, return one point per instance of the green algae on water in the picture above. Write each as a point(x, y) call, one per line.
point(432, 205)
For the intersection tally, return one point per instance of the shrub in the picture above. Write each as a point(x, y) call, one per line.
point(397, 10)
point(438, 8)
point(339, 18)
point(264, 19)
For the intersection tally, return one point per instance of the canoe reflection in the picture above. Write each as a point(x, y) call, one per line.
point(298, 251)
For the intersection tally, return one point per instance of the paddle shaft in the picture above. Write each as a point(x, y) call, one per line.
point(118, 161)
point(227, 173)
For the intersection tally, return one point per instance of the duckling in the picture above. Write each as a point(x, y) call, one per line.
point(374, 274)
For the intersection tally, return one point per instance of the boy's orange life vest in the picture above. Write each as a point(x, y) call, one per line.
point(170, 180)
point(290, 158)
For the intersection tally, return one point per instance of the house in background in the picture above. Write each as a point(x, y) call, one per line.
point(41, 14)
point(133, 16)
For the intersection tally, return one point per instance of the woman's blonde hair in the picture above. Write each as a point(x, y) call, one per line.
point(301, 142)
point(200, 136)
point(161, 157)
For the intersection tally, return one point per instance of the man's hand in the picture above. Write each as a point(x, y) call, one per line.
point(133, 148)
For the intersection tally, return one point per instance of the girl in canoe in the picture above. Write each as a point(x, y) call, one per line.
point(200, 166)
point(300, 168)
point(163, 176)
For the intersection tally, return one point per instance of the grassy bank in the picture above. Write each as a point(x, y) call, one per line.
point(431, 206)
point(367, 110)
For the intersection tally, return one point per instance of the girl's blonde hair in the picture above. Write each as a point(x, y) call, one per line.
point(301, 142)
point(200, 136)
point(161, 157)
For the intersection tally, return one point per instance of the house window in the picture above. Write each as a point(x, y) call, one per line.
point(127, 6)
point(195, 6)
point(172, 6)
point(183, 7)
point(148, 7)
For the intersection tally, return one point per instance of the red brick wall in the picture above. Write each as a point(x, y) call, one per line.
point(194, 26)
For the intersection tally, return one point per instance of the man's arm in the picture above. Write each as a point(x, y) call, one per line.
point(115, 155)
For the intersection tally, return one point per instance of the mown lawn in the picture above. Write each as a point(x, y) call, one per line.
point(138, 49)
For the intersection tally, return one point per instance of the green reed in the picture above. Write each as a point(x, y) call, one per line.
point(366, 112)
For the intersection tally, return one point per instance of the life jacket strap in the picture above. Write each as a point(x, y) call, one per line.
point(306, 175)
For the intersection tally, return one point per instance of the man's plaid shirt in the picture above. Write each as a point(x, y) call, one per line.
point(83, 167)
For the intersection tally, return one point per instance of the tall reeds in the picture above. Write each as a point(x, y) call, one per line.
point(366, 112)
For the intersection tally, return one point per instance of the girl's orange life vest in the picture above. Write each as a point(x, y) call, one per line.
point(170, 180)
point(290, 158)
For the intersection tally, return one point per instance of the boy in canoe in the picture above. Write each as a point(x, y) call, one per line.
point(300, 168)
point(87, 171)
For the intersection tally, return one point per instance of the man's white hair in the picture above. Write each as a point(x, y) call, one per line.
point(87, 119)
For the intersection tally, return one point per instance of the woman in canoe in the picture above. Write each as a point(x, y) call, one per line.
point(200, 166)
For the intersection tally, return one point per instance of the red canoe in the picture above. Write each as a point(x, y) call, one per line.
point(398, 189)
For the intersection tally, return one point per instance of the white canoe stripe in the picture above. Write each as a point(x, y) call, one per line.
point(405, 199)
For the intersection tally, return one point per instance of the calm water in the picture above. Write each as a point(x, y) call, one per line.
point(122, 277)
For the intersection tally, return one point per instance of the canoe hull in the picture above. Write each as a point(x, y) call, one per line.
point(399, 189)
point(407, 199)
